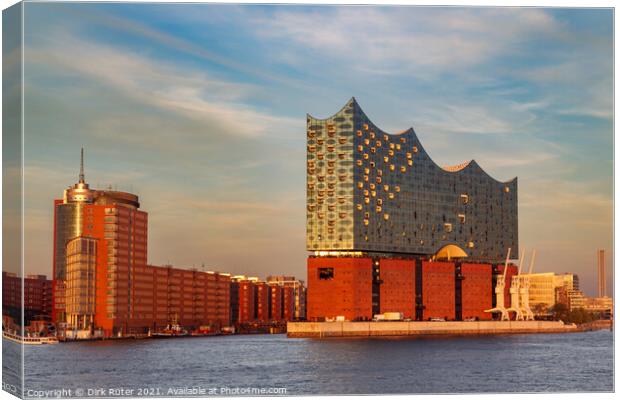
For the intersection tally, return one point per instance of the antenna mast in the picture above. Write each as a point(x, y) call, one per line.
point(82, 166)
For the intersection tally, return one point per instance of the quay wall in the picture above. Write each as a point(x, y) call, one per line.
point(415, 328)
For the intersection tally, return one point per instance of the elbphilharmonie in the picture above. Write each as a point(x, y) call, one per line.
point(390, 230)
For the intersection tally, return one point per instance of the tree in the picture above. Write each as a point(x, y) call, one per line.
point(540, 309)
point(560, 312)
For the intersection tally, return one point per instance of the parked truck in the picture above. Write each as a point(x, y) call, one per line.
point(389, 316)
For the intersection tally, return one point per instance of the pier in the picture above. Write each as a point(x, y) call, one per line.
point(420, 328)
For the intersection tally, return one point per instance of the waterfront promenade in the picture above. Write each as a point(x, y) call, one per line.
point(418, 328)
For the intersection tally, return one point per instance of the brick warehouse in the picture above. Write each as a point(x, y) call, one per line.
point(391, 231)
point(102, 283)
point(342, 286)
point(32, 294)
point(253, 300)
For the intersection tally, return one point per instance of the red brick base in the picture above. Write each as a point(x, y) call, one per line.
point(348, 292)
point(342, 286)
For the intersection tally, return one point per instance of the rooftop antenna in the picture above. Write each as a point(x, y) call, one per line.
point(82, 165)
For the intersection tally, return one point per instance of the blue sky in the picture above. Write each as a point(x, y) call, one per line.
point(200, 109)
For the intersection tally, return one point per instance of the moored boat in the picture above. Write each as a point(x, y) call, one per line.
point(36, 340)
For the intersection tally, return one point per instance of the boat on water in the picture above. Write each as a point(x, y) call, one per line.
point(36, 340)
point(228, 330)
point(204, 330)
point(170, 331)
point(173, 329)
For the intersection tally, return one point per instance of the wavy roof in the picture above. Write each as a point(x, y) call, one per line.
point(410, 131)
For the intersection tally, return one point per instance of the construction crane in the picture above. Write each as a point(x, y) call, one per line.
point(524, 290)
point(499, 293)
point(515, 293)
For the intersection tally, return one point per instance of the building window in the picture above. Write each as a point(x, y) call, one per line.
point(326, 273)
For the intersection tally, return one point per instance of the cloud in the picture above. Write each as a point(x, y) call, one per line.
point(408, 40)
point(580, 86)
point(136, 27)
point(172, 88)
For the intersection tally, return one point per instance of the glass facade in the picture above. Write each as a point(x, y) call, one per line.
point(81, 266)
point(68, 226)
point(371, 191)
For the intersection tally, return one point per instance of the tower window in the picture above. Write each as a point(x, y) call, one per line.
point(326, 273)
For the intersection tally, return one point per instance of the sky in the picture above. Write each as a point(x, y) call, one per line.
point(200, 110)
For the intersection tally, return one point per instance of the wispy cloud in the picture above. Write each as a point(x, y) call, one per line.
point(408, 40)
point(171, 88)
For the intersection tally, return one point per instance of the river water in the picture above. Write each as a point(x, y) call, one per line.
point(247, 364)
